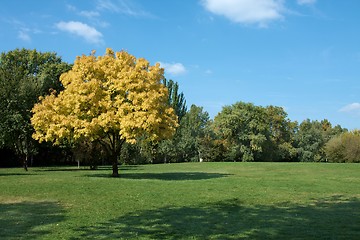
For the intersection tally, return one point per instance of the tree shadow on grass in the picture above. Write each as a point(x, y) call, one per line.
point(28, 220)
point(121, 168)
point(86, 168)
point(16, 174)
point(168, 176)
point(62, 169)
point(333, 218)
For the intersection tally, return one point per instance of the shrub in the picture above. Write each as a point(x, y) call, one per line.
point(344, 148)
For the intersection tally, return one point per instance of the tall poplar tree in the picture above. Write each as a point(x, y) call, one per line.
point(176, 99)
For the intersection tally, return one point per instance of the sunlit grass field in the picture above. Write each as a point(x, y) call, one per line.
point(183, 201)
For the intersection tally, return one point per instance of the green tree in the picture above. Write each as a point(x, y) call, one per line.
point(311, 137)
point(24, 76)
point(109, 99)
point(242, 127)
point(185, 144)
point(280, 133)
point(255, 133)
point(193, 128)
point(212, 148)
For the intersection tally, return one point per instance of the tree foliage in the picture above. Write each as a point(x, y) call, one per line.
point(24, 76)
point(212, 148)
point(112, 99)
point(169, 150)
point(255, 133)
point(311, 138)
point(184, 147)
point(344, 148)
point(176, 100)
point(106, 104)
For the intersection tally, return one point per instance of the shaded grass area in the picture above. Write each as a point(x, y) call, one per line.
point(333, 218)
point(172, 176)
point(27, 220)
point(183, 201)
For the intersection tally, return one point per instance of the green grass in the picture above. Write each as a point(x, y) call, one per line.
point(183, 201)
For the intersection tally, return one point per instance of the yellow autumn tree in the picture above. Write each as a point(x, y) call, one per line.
point(112, 99)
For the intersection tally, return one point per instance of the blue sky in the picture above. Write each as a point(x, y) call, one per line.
point(303, 55)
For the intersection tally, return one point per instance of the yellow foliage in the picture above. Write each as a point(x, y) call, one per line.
point(112, 93)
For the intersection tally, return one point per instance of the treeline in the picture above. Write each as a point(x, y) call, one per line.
point(240, 132)
point(244, 132)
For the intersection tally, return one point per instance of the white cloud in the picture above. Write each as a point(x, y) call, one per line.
point(23, 35)
point(259, 12)
point(353, 107)
point(80, 29)
point(306, 2)
point(173, 68)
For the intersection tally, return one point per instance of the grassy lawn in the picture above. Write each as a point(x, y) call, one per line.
point(183, 201)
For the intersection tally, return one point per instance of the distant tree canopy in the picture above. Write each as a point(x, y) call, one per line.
point(109, 99)
point(24, 76)
point(245, 132)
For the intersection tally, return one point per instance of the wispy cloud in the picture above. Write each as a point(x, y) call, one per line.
point(125, 7)
point(80, 29)
point(24, 31)
point(306, 2)
point(71, 7)
point(208, 71)
point(24, 35)
point(173, 68)
point(89, 14)
point(93, 15)
point(259, 12)
point(84, 13)
point(351, 108)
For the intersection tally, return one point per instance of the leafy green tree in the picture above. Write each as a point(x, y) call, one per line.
point(212, 148)
point(185, 144)
point(193, 128)
point(311, 137)
point(241, 125)
point(255, 133)
point(280, 133)
point(24, 76)
point(344, 148)
point(110, 99)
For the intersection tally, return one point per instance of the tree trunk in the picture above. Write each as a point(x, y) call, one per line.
point(26, 162)
point(114, 149)
point(115, 169)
